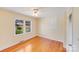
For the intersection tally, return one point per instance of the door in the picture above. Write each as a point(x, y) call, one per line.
point(69, 33)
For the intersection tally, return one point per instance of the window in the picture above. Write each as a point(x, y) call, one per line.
point(22, 27)
point(28, 26)
point(19, 26)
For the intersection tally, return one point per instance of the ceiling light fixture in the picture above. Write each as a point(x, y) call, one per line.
point(35, 12)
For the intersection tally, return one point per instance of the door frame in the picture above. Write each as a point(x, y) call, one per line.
point(69, 47)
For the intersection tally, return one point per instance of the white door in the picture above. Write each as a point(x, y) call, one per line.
point(69, 41)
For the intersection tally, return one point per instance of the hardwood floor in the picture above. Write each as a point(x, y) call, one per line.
point(37, 44)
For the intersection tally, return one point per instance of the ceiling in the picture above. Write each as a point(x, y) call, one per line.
point(43, 11)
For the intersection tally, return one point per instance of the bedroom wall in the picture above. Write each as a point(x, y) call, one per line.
point(53, 25)
point(7, 26)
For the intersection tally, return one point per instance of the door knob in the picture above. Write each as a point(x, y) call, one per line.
point(70, 44)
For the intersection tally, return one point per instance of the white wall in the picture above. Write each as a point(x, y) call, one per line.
point(53, 24)
point(76, 29)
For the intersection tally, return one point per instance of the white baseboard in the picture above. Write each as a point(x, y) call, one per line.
point(24, 39)
point(29, 37)
point(51, 38)
point(41, 35)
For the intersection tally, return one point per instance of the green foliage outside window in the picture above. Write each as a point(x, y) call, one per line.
point(19, 30)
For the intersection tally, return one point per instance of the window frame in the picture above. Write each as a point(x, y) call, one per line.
point(24, 27)
point(30, 26)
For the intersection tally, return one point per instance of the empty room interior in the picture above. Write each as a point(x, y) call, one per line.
point(39, 29)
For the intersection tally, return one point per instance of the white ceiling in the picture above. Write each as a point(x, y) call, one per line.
point(43, 11)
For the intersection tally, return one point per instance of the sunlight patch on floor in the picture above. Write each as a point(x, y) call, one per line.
point(27, 48)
